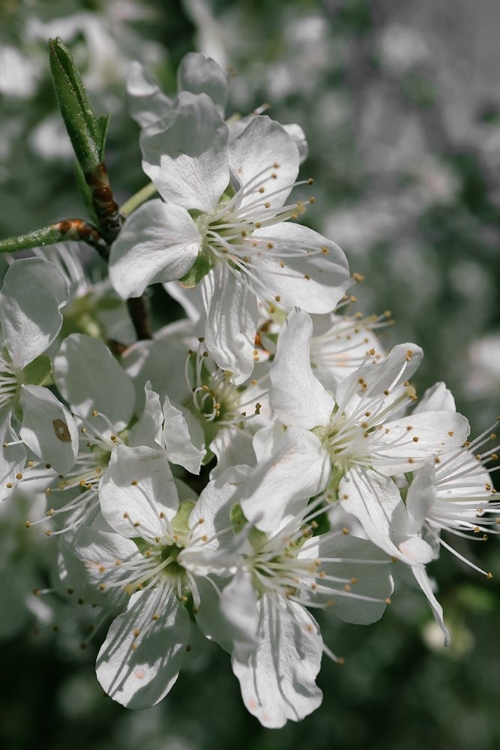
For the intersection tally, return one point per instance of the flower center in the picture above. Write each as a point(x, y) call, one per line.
point(215, 397)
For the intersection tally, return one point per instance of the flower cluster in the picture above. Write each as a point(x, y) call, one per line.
point(263, 458)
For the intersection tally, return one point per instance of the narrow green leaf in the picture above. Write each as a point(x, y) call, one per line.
point(83, 128)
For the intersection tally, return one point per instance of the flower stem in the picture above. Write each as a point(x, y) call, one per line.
point(62, 231)
point(140, 197)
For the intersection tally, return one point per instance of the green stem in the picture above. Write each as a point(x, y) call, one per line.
point(136, 200)
point(40, 237)
point(69, 229)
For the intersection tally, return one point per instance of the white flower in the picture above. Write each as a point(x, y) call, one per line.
point(354, 443)
point(341, 344)
point(197, 73)
point(102, 395)
point(32, 295)
point(225, 219)
point(161, 556)
point(151, 108)
point(454, 492)
point(277, 646)
point(357, 435)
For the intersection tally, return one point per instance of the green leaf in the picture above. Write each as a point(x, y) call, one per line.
point(38, 372)
point(85, 131)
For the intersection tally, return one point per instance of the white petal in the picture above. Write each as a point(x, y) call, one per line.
point(138, 486)
point(48, 428)
point(436, 398)
point(281, 486)
point(209, 618)
point(210, 515)
point(12, 457)
point(232, 318)
point(231, 446)
point(421, 495)
point(238, 605)
point(379, 380)
point(91, 558)
point(278, 681)
point(148, 429)
point(188, 161)
point(146, 102)
point(202, 75)
point(435, 431)
point(297, 397)
point(370, 580)
point(32, 295)
point(314, 282)
point(177, 439)
point(159, 242)
point(295, 131)
point(422, 578)
point(145, 361)
point(263, 149)
point(267, 440)
point(89, 377)
point(190, 299)
point(140, 677)
point(376, 502)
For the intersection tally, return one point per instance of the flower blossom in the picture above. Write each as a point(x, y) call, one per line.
point(225, 223)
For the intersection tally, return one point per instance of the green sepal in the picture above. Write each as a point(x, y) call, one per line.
point(84, 130)
point(198, 271)
point(82, 317)
point(180, 522)
point(38, 372)
point(16, 409)
point(238, 520)
point(142, 545)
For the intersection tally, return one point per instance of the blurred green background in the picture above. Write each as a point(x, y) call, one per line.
point(400, 103)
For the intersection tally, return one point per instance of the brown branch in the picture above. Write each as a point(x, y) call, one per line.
point(105, 207)
point(138, 308)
